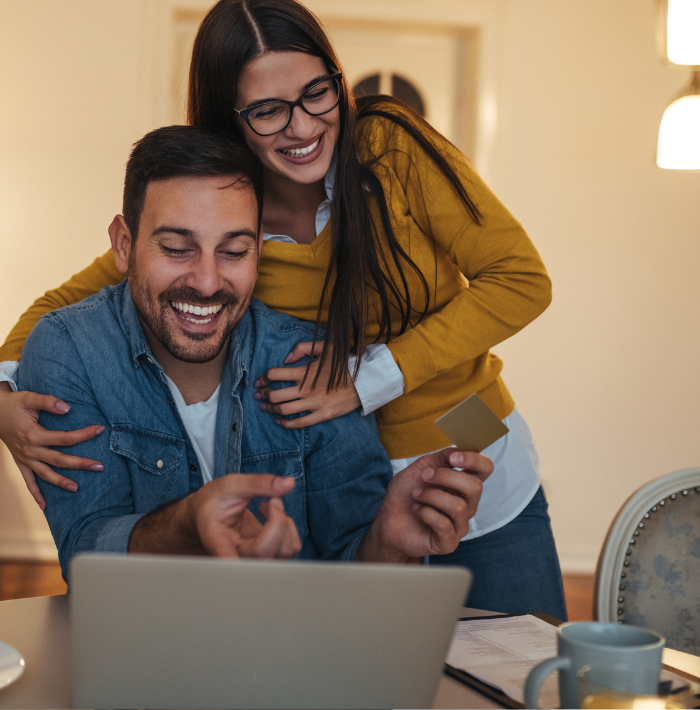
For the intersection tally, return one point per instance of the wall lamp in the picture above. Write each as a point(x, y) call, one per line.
point(678, 42)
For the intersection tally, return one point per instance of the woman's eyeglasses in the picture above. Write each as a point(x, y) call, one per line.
point(271, 117)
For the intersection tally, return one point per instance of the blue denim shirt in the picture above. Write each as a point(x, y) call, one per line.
point(94, 356)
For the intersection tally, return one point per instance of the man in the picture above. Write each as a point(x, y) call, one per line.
point(166, 363)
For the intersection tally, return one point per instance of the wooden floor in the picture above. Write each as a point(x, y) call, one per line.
point(30, 579)
point(578, 590)
point(36, 579)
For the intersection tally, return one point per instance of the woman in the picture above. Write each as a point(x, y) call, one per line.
point(378, 229)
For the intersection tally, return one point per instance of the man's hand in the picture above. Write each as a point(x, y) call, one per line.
point(427, 507)
point(215, 520)
point(225, 526)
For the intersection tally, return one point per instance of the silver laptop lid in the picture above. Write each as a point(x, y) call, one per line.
point(183, 632)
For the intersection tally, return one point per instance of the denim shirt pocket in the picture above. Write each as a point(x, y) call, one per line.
point(289, 463)
point(152, 451)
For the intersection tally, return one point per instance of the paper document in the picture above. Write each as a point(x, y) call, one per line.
point(502, 652)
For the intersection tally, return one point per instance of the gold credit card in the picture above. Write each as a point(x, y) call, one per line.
point(471, 425)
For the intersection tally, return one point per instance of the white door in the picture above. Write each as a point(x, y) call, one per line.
point(427, 68)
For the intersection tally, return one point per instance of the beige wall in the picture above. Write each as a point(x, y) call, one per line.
point(608, 377)
point(70, 93)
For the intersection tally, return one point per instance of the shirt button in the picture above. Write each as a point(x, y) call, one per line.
point(159, 463)
point(193, 467)
point(234, 426)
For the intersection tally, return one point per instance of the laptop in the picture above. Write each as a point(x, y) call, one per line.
point(186, 632)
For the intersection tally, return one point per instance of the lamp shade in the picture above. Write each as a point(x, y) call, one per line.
point(679, 31)
point(679, 134)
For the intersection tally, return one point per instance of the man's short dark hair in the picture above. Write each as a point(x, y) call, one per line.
point(177, 151)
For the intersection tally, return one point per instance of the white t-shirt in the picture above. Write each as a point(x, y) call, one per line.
point(200, 421)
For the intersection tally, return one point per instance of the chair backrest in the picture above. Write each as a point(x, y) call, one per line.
point(648, 571)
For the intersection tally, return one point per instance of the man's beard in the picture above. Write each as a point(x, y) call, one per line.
point(154, 315)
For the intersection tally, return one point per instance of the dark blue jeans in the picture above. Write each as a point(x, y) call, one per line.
point(516, 568)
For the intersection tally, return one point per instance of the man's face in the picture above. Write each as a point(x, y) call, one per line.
point(193, 267)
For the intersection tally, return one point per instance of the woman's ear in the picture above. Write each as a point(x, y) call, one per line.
point(120, 237)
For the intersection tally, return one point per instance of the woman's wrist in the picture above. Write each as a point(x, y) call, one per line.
point(379, 379)
point(8, 374)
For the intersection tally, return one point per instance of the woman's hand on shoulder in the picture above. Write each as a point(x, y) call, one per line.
point(28, 441)
point(314, 398)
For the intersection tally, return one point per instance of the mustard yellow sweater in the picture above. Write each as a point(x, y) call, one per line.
point(487, 282)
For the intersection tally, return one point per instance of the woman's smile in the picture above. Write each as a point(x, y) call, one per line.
point(304, 153)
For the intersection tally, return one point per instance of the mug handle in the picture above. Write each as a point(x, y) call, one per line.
point(537, 676)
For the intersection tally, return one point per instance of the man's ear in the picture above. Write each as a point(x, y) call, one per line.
point(120, 237)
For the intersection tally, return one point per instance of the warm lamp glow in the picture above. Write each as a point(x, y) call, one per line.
point(679, 31)
point(678, 41)
point(679, 135)
point(683, 32)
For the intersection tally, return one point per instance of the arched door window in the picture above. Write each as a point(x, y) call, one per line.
point(396, 85)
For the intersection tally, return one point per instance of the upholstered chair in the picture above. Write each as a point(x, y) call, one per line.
point(649, 568)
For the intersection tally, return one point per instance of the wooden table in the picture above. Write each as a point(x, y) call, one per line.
point(39, 628)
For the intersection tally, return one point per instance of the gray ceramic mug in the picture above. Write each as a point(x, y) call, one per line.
point(592, 642)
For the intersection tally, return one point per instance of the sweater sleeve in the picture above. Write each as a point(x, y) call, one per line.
point(506, 286)
point(102, 272)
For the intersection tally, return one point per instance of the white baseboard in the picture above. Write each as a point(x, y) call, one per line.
point(41, 549)
point(578, 561)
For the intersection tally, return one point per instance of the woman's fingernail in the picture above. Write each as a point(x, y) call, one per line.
point(427, 475)
point(42, 506)
point(417, 492)
point(263, 407)
point(256, 383)
point(62, 407)
point(97, 467)
point(277, 503)
point(99, 430)
point(415, 506)
point(72, 487)
point(288, 358)
point(257, 395)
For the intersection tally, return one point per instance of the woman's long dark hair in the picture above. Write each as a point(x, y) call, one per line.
point(362, 269)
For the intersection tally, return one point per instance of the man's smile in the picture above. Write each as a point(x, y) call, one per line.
point(196, 314)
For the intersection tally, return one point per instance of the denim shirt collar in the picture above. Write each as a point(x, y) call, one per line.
point(240, 353)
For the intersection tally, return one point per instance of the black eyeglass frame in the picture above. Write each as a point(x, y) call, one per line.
point(244, 113)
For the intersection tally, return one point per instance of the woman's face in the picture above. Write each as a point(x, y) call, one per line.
point(286, 75)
